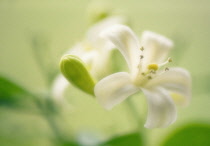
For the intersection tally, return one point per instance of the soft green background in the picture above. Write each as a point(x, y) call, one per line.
point(61, 23)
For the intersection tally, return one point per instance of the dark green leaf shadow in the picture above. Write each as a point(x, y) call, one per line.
point(190, 135)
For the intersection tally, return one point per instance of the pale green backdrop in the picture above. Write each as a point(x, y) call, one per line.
point(61, 23)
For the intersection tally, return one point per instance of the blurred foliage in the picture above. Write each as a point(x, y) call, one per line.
point(132, 139)
point(15, 99)
point(10, 89)
point(11, 94)
point(190, 135)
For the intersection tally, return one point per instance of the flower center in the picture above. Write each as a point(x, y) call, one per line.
point(150, 71)
point(152, 67)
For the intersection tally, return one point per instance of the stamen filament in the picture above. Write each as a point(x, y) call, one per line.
point(166, 62)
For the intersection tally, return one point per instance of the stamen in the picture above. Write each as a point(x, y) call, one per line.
point(141, 60)
point(142, 48)
point(166, 62)
point(141, 56)
point(166, 69)
point(169, 59)
point(152, 68)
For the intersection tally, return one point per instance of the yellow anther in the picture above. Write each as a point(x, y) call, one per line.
point(166, 69)
point(142, 48)
point(152, 67)
point(141, 56)
point(169, 59)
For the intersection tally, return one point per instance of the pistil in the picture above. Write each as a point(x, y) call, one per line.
point(150, 71)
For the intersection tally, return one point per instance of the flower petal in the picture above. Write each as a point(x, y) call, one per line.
point(97, 60)
point(59, 86)
point(156, 47)
point(113, 89)
point(177, 81)
point(94, 32)
point(83, 51)
point(161, 109)
point(127, 43)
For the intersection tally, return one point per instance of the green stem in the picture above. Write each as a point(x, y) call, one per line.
point(54, 127)
point(139, 121)
point(41, 103)
point(41, 65)
point(48, 117)
point(134, 113)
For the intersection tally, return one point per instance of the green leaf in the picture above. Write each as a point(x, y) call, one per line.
point(10, 92)
point(190, 135)
point(133, 139)
point(77, 73)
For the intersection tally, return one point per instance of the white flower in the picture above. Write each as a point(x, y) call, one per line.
point(94, 52)
point(162, 86)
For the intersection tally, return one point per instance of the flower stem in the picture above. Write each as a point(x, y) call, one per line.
point(135, 114)
point(54, 127)
point(47, 109)
point(49, 116)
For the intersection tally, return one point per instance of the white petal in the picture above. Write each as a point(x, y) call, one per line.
point(95, 30)
point(127, 43)
point(113, 89)
point(97, 60)
point(59, 86)
point(77, 49)
point(94, 50)
point(161, 109)
point(101, 64)
point(177, 81)
point(83, 52)
point(156, 47)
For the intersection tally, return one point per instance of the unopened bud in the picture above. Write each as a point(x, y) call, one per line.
point(77, 73)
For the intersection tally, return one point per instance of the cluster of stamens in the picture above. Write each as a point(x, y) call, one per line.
point(152, 69)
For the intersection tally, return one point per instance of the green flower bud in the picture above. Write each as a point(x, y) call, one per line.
point(77, 73)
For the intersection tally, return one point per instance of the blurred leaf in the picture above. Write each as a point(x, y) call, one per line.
point(14, 97)
point(10, 92)
point(190, 135)
point(133, 139)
